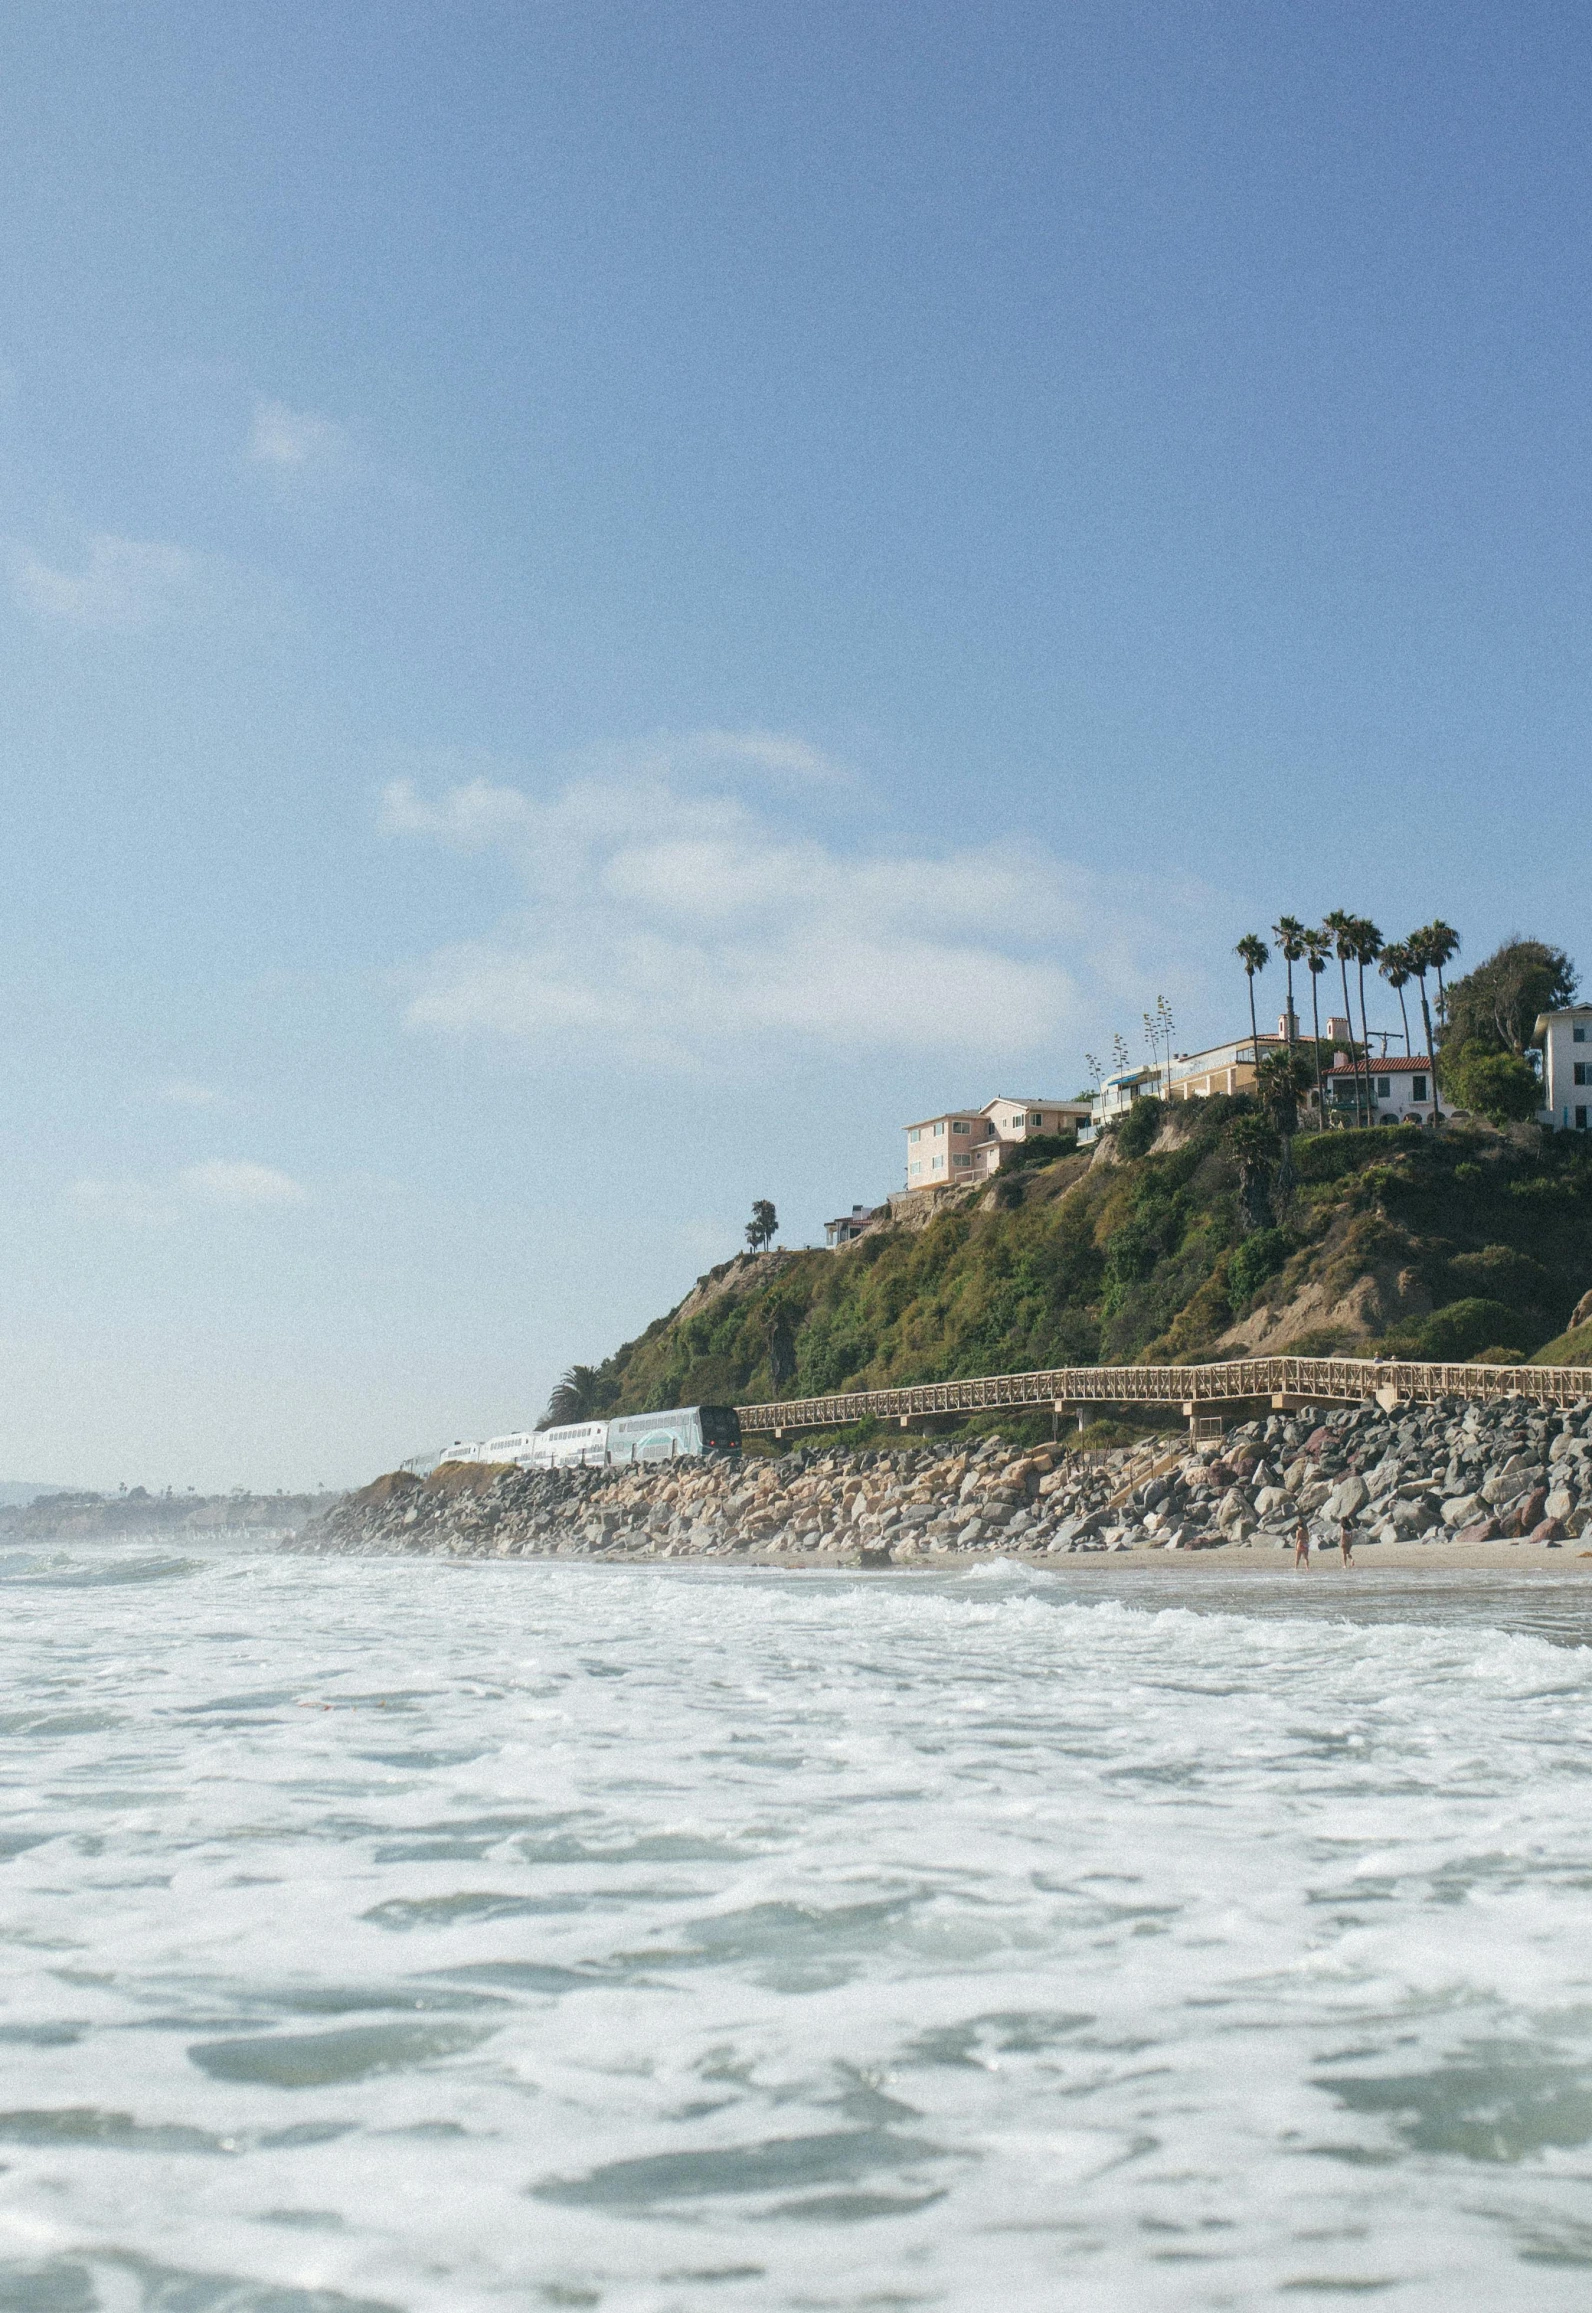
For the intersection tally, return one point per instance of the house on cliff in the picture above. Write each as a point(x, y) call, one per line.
point(971, 1144)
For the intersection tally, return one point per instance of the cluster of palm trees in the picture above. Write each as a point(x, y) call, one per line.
point(1354, 940)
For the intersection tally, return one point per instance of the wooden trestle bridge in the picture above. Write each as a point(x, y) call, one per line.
point(1208, 1391)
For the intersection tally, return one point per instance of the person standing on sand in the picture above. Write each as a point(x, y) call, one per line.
point(1302, 1546)
point(1346, 1541)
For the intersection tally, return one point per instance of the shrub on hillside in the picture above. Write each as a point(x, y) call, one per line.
point(1136, 1133)
point(1455, 1334)
point(1332, 1156)
point(1256, 1259)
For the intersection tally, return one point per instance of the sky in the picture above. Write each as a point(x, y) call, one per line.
point(602, 605)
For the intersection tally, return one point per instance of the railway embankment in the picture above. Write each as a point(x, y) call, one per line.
point(1437, 1475)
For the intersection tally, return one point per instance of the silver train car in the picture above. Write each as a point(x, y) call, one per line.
point(649, 1437)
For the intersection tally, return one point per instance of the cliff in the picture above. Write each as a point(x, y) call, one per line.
point(1464, 1243)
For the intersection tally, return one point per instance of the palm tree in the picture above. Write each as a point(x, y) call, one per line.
point(1367, 947)
point(1398, 966)
point(1443, 945)
point(1318, 946)
point(1289, 934)
point(575, 1398)
point(1340, 928)
point(1253, 953)
point(1418, 949)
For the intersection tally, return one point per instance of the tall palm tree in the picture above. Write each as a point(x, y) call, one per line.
point(1289, 934)
point(1318, 946)
point(1420, 955)
point(1367, 947)
point(1339, 927)
point(1253, 953)
point(1397, 968)
point(1443, 943)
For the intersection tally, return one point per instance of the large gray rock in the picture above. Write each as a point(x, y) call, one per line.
point(1559, 1505)
point(1462, 1509)
point(1350, 1495)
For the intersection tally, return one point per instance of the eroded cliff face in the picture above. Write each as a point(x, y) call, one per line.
point(115, 1517)
point(1510, 1470)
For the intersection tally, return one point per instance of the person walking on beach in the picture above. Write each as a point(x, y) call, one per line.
point(1302, 1546)
point(1346, 1541)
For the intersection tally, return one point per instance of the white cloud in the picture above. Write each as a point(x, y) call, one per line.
point(669, 923)
point(289, 438)
point(182, 1092)
point(124, 584)
point(219, 1181)
point(223, 1181)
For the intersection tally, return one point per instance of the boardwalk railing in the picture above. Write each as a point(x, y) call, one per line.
point(1278, 1381)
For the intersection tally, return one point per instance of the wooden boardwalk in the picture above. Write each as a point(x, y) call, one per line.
point(1274, 1382)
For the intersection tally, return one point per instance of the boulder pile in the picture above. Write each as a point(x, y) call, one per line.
point(1455, 1471)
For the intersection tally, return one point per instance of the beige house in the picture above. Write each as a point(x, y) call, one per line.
point(969, 1144)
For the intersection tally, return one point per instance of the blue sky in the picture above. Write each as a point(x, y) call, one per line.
point(602, 604)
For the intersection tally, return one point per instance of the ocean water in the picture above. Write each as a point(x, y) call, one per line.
point(383, 1934)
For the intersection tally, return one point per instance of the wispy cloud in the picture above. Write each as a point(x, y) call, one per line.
point(122, 584)
point(183, 1092)
point(220, 1181)
point(291, 439)
point(224, 1181)
point(672, 919)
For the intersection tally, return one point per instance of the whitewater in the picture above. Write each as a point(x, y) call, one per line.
point(416, 1934)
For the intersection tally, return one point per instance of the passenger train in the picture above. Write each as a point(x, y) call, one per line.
point(649, 1437)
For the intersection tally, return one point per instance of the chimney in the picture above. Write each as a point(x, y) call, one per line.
point(1288, 1027)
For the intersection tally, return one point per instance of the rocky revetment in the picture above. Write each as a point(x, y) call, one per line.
point(1438, 1475)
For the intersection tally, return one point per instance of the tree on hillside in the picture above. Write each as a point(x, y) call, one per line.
point(1281, 1077)
point(1367, 948)
point(1398, 969)
point(1442, 945)
point(1253, 953)
point(1253, 1141)
point(1289, 934)
point(1420, 955)
point(578, 1397)
point(1496, 1005)
point(1498, 1085)
point(781, 1335)
point(1340, 928)
point(1318, 946)
point(763, 1226)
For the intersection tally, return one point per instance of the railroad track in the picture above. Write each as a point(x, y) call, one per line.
point(1275, 1382)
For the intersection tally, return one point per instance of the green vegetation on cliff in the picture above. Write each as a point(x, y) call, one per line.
point(1450, 1245)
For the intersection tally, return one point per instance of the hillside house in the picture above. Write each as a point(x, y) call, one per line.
point(1401, 1090)
point(849, 1227)
point(970, 1144)
point(1566, 1041)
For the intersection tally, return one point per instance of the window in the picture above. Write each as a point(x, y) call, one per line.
point(1417, 1088)
point(1583, 1073)
point(960, 1127)
point(1384, 1088)
point(917, 1168)
point(1580, 1120)
point(939, 1132)
point(959, 1159)
point(938, 1165)
point(1578, 1035)
point(916, 1134)
point(1036, 1120)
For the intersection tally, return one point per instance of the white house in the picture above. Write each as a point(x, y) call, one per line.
point(1401, 1090)
point(968, 1144)
point(1566, 1040)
